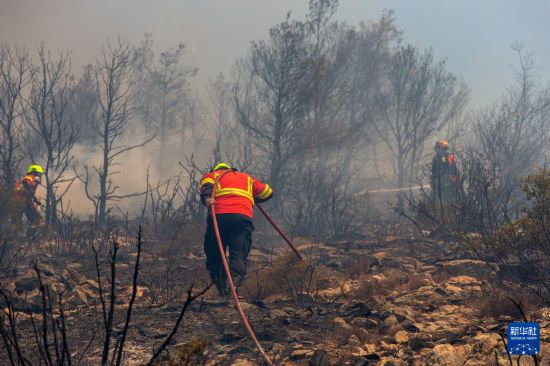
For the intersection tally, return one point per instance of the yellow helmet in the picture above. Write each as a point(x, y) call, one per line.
point(221, 166)
point(442, 144)
point(35, 168)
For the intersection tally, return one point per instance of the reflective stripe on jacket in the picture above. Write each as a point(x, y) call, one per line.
point(236, 192)
point(25, 189)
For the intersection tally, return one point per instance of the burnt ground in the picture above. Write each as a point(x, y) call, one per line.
point(392, 301)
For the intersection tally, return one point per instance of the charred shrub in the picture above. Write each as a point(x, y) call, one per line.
point(10, 210)
point(382, 284)
point(522, 247)
point(480, 205)
point(328, 203)
point(290, 278)
point(191, 353)
point(495, 303)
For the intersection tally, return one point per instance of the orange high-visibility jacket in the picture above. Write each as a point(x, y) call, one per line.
point(236, 192)
point(25, 189)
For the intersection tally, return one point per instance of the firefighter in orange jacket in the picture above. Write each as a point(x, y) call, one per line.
point(25, 196)
point(445, 180)
point(235, 195)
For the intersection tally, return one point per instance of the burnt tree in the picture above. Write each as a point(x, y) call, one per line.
point(13, 79)
point(114, 84)
point(419, 96)
point(54, 133)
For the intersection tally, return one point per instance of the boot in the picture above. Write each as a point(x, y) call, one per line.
point(32, 232)
point(238, 281)
point(222, 287)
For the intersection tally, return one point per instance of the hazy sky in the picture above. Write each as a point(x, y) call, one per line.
point(475, 35)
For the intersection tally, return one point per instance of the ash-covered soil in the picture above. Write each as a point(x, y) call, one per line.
point(395, 302)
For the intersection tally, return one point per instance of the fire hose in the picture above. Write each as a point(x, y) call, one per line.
point(228, 272)
point(280, 232)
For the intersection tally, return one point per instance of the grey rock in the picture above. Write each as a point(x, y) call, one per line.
point(359, 309)
point(470, 267)
point(324, 358)
point(151, 333)
point(230, 337)
point(26, 284)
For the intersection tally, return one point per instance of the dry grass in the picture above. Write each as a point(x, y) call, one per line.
point(191, 353)
point(442, 276)
point(359, 267)
point(383, 284)
point(414, 281)
point(369, 288)
point(540, 314)
point(289, 278)
point(496, 303)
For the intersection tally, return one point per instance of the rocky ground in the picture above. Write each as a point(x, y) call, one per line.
point(395, 302)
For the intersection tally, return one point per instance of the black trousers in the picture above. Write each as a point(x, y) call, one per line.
point(236, 233)
point(33, 217)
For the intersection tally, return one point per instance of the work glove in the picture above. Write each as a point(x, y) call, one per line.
point(210, 201)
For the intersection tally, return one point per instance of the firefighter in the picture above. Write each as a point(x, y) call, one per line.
point(25, 198)
point(445, 181)
point(235, 196)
